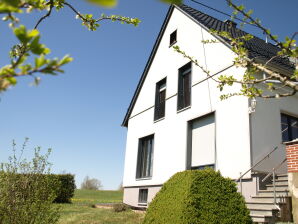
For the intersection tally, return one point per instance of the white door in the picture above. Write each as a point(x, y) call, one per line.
point(203, 142)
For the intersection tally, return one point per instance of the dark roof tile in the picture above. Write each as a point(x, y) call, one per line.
point(257, 48)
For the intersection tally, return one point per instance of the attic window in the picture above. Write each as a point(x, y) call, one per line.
point(173, 38)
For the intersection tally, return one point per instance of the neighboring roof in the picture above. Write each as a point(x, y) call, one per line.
point(257, 48)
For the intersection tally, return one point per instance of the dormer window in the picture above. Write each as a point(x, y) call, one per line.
point(160, 99)
point(173, 38)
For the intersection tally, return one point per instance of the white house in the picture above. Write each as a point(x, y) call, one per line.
point(176, 120)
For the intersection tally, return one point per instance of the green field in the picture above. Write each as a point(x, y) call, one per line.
point(81, 212)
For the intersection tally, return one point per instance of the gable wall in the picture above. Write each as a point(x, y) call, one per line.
point(232, 119)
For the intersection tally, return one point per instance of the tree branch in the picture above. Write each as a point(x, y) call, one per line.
point(92, 23)
point(253, 21)
point(75, 11)
point(46, 15)
point(284, 79)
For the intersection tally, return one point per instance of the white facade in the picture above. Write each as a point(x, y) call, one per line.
point(240, 138)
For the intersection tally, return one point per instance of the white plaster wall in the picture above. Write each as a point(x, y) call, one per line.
point(266, 130)
point(170, 140)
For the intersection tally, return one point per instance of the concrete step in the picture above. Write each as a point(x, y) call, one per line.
point(277, 187)
point(266, 199)
point(279, 193)
point(261, 219)
point(282, 182)
point(261, 205)
point(282, 177)
point(264, 212)
point(278, 183)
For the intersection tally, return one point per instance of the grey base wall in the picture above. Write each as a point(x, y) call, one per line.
point(249, 187)
point(131, 194)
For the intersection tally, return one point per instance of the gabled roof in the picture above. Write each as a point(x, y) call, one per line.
point(257, 48)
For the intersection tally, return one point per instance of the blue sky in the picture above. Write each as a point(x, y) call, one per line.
point(78, 114)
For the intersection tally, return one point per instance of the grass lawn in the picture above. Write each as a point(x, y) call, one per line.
point(81, 212)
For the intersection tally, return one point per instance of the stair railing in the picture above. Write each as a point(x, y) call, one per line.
point(273, 173)
point(242, 175)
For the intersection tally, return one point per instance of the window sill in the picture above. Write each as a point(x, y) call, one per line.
point(160, 119)
point(142, 204)
point(183, 109)
point(143, 178)
point(173, 43)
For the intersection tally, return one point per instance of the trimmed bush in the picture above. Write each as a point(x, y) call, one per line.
point(121, 207)
point(66, 189)
point(198, 197)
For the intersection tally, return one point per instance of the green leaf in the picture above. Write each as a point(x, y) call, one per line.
point(66, 59)
point(46, 50)
point(104, 3)
point(5, 8)
point(21, 33)
point(8, 6)
point(33, 33)
point(38, 48)
point(14, 3)
point(241, 7)
point(12, 80)
point(35, 42)
point(177, 2)
point(40, 61)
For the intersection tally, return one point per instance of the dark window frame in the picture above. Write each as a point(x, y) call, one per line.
point(143, 196)
point(160, 99)
point(286, 132)
point(184, 86)
point(145, 157)
point(173, 38)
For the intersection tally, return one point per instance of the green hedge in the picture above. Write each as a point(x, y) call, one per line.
point(63, 184)
point(198, 197)
point(66, 188)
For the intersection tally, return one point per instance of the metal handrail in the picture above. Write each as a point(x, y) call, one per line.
point(273, 175)
point(242, 175)
point(275, 168)
point(265, 157)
